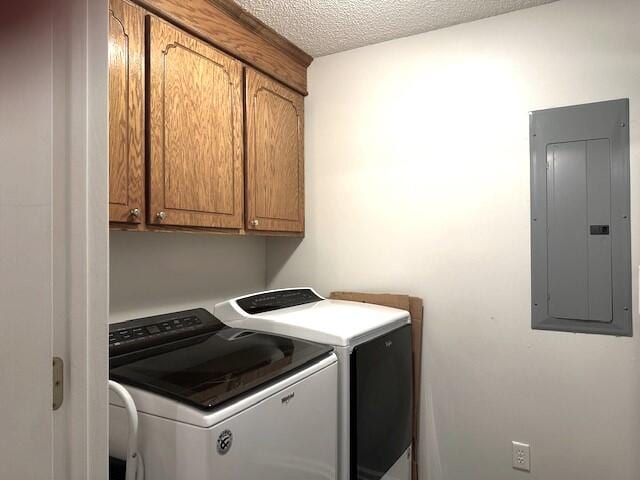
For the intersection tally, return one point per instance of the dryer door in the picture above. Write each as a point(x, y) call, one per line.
point(381, 392)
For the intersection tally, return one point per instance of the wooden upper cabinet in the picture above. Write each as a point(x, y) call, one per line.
point(196, 132)
point(178, 114)
point(275, 156)
point(126, 113)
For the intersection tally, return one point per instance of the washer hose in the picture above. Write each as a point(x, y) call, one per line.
point(135, 464)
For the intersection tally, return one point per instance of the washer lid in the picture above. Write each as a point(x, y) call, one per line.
point(210, 369)
point(313, 318)
point(165, 407)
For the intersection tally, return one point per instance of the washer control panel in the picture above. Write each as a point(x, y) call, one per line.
point(146, 332)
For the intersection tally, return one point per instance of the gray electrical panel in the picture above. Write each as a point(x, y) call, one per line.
point(580, 231)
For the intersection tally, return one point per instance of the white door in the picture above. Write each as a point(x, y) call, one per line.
point(53, 238)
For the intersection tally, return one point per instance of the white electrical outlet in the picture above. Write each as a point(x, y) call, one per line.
point(521, 453)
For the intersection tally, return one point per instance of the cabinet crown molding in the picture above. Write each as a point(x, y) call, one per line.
point(228, 27)
point(234, 10)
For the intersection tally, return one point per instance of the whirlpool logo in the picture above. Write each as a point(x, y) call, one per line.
point(288, 398)
point(225, 439)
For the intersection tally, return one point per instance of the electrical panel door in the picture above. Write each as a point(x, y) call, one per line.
point(581, 265)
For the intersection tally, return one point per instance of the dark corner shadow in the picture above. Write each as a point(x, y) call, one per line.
point(279, 252)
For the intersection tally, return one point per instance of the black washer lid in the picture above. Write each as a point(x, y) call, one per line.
point(209, 369)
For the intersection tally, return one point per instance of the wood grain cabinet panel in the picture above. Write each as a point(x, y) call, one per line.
point(126, 113)
point(275, 156)
point(196, 132)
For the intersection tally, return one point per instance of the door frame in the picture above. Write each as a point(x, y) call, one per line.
point(54, 238)
point(80, 236)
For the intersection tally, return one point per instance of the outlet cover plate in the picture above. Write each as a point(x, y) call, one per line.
point(521, 455)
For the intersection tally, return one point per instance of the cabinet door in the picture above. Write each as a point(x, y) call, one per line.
point(196, 137)
point(275, 156)
point(126, 112)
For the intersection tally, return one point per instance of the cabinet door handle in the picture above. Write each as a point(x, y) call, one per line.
point(255, 223)
point(135, 212)
point(161, 215)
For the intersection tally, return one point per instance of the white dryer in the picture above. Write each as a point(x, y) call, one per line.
point(219, 403)
point(373, 344)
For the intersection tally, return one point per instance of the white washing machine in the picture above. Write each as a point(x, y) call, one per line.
point(219, 403)
point(373, 344)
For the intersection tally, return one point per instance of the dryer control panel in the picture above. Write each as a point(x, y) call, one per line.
point(277, 299)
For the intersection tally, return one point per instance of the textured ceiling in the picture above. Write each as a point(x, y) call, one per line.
point(321, 27)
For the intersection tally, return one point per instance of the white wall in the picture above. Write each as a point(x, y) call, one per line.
point(26, 290)
point(418, 182)
point(152, 273)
